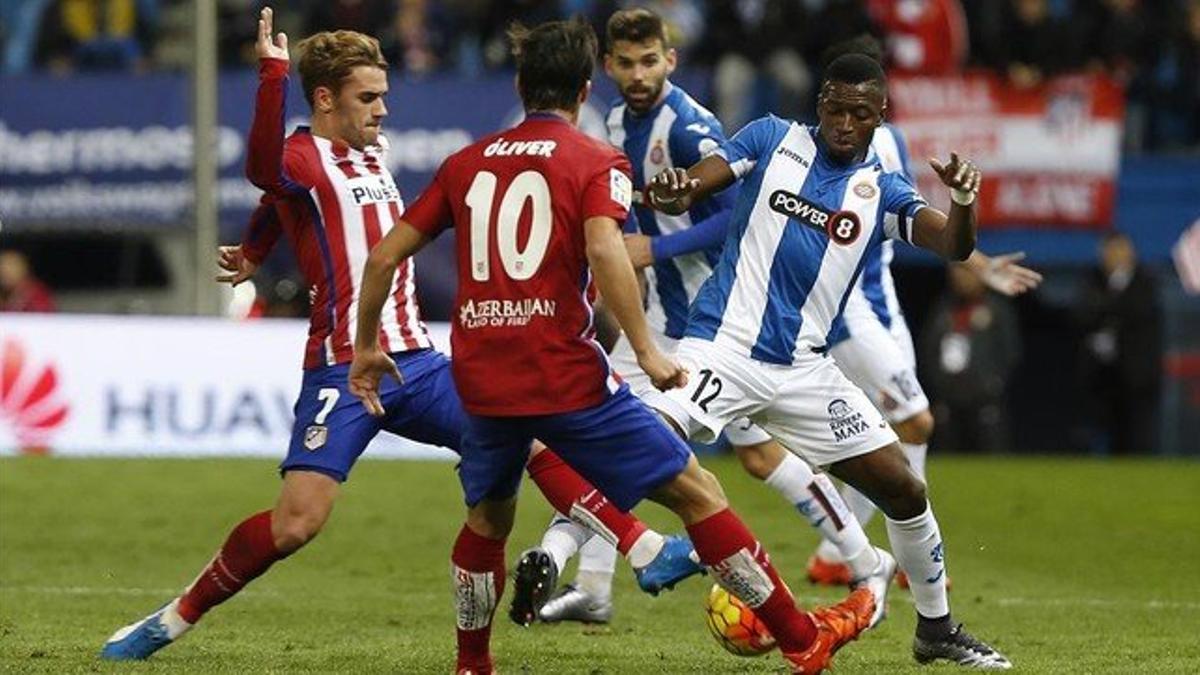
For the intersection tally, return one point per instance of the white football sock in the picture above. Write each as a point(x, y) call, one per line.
point(563, 539)
point(645, 549)
point(597, 564)
point(814, 497)
point(173, 622)
point(917, 545)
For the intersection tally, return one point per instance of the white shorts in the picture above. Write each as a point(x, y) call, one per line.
point(741, 432)
point(882, 363)
point(810, 406)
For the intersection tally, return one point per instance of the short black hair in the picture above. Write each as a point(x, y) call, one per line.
point(636, 25)
point(855, 69)
point(864, 44)
point(555, 60)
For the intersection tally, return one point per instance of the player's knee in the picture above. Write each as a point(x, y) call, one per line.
point(292, 529)
point(693, 495)
point(492, 519)
point(917, 429)
point(755, 460)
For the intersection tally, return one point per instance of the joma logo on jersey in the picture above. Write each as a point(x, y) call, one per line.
point(372, 189)
point(843, 227)
point(793, 155)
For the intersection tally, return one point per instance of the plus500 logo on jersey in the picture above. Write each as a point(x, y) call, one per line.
point(843, 227)
point(374, 189)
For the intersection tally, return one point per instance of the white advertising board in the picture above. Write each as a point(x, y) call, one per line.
point(149, 386)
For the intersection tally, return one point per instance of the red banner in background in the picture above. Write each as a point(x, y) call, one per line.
point(1049, 155)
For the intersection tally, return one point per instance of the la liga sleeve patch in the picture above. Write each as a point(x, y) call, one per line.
point(620, 188)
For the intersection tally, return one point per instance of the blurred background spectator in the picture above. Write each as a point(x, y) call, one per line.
point(970, 345)
point(96, 34)
point(924, 37)
point(752, 44)
point(1030, 43)
point(762, 54)
point(1121, 323)
point(20, 290)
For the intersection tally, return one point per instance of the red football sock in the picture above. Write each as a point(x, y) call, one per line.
point(571, 495)
point(247, 553)
point(740, 564)
point(478, 568)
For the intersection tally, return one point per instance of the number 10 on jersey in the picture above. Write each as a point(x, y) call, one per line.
point(528, 186)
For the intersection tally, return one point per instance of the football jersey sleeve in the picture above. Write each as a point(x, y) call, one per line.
point(749, 144)
point(900, 204)
point(273, 164)
point(262, 232)
point(695, 140)
point(609, 193)
point(431, 212)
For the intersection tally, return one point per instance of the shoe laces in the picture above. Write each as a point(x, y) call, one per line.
point(962, 638)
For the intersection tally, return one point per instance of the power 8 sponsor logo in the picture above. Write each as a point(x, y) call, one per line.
point(843, 227)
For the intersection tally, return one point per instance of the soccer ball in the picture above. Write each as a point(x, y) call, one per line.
point(735, 626)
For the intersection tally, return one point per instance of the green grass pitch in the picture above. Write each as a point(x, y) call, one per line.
point(1066, 565)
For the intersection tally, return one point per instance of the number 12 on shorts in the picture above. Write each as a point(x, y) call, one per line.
point(708, 383)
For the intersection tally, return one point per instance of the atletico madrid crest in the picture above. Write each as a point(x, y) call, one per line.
point(315, 436)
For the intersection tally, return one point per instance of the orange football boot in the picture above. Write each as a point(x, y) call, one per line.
point(826, 573)
point(836, 626)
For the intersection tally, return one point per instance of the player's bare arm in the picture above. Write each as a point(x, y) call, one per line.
point(673, 191)
point(640, 252)
point(617, 283)
point(370, 362)
point(1002, 273)
point(951, 236)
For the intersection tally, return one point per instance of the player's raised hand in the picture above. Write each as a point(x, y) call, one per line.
point(670, 187)
point(366, 372)
point(961, 176)
point(665, 373)
point(232, 260)
point(1003, 275)
point(265, 46)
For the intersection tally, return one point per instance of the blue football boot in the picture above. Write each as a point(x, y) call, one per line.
point(138, 640)
point(675, 562)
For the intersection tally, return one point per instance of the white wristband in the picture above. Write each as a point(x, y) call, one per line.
point(656, 202)
point(962, 197)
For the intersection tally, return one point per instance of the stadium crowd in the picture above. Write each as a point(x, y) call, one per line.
point(1151, 46)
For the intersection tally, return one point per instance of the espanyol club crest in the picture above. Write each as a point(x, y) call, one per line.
point(315, 436)
point(865, 190)
point(838, 408)
point(657, 153)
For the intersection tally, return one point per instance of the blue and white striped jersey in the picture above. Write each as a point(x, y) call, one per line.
point(800, 235)
point(676, 132)
point(874, 296)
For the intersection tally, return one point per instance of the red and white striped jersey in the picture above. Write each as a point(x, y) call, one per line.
point(334, 203)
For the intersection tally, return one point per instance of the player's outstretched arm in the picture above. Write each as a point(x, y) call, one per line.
point(1002, 273)
point(951, 236)
point(617, 283)
point(370, 362)
point(673, 191)
point(265, 163)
